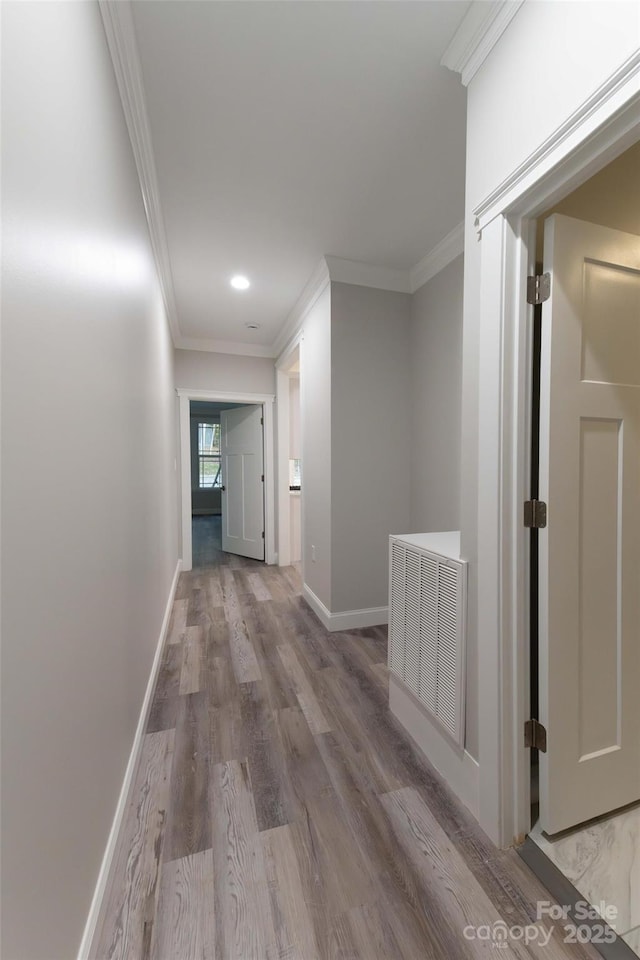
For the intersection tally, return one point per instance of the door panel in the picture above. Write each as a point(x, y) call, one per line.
point(590, 550)
point(243, 487)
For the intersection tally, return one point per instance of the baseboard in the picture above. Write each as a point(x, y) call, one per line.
point(103, 876)
point(456, 766)
point(345, 619)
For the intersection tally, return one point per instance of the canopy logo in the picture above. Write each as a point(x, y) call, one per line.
point(500, 935)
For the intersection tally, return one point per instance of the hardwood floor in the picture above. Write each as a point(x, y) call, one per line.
point(279, 811)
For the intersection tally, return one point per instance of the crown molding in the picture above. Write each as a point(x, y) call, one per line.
point(368, 275)
point(437, 259)
point(123, 48)
point(483, 25)
point(310, 293)
point(234, 347)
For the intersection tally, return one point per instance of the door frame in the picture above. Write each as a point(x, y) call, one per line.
point(505, 224)
point(185, 396)
point(283, 364)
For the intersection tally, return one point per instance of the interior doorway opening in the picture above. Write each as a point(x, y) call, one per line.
point(227, 489)
point(595, 850)
point(210, 487)
point(290, 465)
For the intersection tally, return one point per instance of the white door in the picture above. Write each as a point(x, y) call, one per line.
point(242, 478)
point(590, 549)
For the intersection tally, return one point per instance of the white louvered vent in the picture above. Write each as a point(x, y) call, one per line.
point(427, 625)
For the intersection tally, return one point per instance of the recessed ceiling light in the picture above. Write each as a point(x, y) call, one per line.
point(252, 326)
point(240, 283)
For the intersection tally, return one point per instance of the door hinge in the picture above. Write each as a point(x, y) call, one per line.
point(535, 514)
point(535, 735)
point(262, 477)
point(263, 534)
point(538, 288)
point(262, 421)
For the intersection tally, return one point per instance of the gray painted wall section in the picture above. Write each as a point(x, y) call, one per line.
point(370, 437)
point(89, 544)
point(437, 449)
point(201, 370)
point(436, 384)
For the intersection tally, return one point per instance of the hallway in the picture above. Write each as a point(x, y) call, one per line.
point(280, 812)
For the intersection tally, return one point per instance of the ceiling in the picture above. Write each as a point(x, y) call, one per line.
point(286, 131)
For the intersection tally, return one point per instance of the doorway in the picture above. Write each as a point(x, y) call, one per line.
point(223, 434)
point(290, 466)
point(227, 481)
point(585, 614)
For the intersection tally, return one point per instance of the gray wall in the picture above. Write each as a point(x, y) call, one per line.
point(370, 440)
point(201, 370)
point(315, 412)
point(436, 385)
point(89, 543)
point(436, 432)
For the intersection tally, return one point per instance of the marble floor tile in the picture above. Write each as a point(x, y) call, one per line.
point(632, 939)
point(602, 860)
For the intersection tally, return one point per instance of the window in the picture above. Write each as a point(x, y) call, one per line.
point(209, 465)
point(294, 474)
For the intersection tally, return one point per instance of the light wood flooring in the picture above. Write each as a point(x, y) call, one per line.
point(279, 812)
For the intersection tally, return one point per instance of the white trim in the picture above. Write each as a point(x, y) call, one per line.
point(310, 293)
point(483, 25)
point(284, 360)
point(345, 619)
point(123, 48)
point(616, 94)
point(368, 275)
point(224, 396)
point(441, 256)
point(460, 770)
point(233, 347)
point(116, 826)
point(221, 396)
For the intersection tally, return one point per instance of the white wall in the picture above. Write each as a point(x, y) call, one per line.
point(89, 543)
point(436, 385)
point(315, 410)
point(513, 107)
point(202, 370)
point(370, 440)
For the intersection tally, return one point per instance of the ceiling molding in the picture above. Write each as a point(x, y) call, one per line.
point(368, 275)
point(235, 347)
point(310, 293)
point(437, 259)
point(477, 35)
point(123, 48)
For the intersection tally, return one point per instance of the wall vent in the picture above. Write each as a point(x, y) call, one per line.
point(427, 629)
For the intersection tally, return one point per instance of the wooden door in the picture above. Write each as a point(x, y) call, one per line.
point(242, 478)
point(590, 550)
